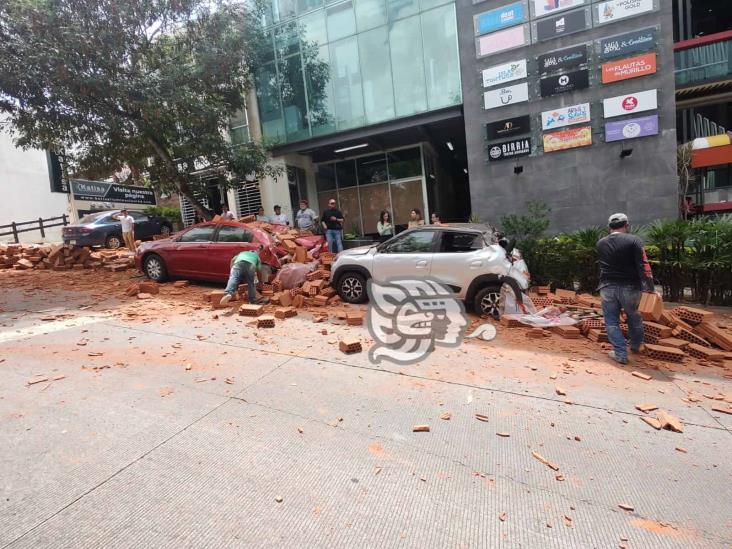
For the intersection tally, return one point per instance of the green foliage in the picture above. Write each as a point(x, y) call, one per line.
point(168, 212)
point(528, 227)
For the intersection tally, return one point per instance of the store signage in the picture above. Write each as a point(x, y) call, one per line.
point(547, 7)
point(566, 116)
point(614, 10)
point(630, 67)
point(500, 74)
point(570, 138)
point(630, 103)
point(502, 40)
point(631, 128)
point(567, 58)
point(57, 173)
point(506, 16)
point(510, 149)
point(111, 192)
point(508, 127)
point(560, 25)
point(507, 95)
point(629, 42)
point(553, 85)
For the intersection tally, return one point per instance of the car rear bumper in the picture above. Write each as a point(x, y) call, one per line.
point(84, 240)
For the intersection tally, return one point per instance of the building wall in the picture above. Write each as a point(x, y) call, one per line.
point(582, 186)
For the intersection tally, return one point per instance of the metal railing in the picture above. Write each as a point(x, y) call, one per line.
point(40, 225)
point(706, 62)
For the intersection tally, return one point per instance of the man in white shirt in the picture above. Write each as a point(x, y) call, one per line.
point(226, 213)
point(279, 217)
point(128, 229)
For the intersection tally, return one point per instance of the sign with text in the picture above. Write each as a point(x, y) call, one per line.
point(631, 128)
point(508, 127)
point(503, 40)
point(629, 42)
point(571, 138)
point(500, 74)
point(506, 16)
point(567, 58)
point(507, 95)
point(111, 192)
point(615, 10)
point(566, 116)
point(630, 103)
point(510, 149)
point(561, 25)
point(553, 85)
point(547, 7)
point(630, 67)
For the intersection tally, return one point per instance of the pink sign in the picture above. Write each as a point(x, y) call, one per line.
point(501, 40)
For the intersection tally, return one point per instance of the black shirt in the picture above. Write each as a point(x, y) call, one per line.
point(623, 261)
point(332, 224)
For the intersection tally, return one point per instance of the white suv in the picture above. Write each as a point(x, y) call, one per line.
point(463, 257)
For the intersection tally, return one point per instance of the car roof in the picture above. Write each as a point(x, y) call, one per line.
point(475, 227)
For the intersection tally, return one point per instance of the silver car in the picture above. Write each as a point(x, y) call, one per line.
point(464, 257)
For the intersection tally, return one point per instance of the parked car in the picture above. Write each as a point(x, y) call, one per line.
point(99, 229)
point(461, 256)
point(203, 251)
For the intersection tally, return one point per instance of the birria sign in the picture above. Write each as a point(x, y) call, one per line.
point(510, 149)
point(500, 74)
point(566, 116)
point(568, 139)
point(631, 128)
point(508, 95)
point(630, 67)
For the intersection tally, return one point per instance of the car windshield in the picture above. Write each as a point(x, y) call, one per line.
point(91, 218)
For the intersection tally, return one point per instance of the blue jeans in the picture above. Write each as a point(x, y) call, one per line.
point(614, 298)
point(242, 271)
point(334, 236)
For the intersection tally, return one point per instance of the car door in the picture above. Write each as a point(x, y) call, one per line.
point(190, 256)
point(143, 226)
point(408, 254)
point(458, 258)
point(229, 241)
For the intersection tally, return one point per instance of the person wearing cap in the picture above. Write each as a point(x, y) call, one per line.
point(128, 229)
point(624, 274)
point(279, 218)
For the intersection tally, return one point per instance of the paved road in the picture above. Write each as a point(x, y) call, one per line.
point(131, 449)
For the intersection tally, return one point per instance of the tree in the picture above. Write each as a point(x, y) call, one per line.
point(118, 83)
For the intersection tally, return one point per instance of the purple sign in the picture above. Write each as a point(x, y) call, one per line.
point(631, 128)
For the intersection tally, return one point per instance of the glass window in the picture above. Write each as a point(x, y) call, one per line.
point(406, 196)
point(293, 99)
point(405, 163)
point(371, 169)
point(199, 234)
point(268, 99)
point(325, 177)
point(345, 76)
point(405, 38)
point(287, 39)
point(283, 9)
point(398, 9)
point(239, 135)
point(348, 203)
point(374, 199)
point(441, 63)
point(320, 98)
point(429, 4)
point(138, 216)
point(413, 242)
point(370, 14)
point(453, 242)
point(346, 173)
point(378, 96)
point(228, 233)
point(341, 21)
point(304, 6)
point(313, 28)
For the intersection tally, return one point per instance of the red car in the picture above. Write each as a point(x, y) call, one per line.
point(204, 251)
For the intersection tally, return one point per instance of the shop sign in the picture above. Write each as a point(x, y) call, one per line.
point(567, 58)
point(566, 116)
point(510, 149)
point(502, 40)
point(630, 103)
point(547, 7)
point(506, 16)
point(508, 127)
point(111, 192)
point(629, 42)
point(507, 95)
point(553, 85)
point(614, 10)
point(500, 74)
point(631, 128)
point(560, 25)
point(570, 138)
point(630, 67)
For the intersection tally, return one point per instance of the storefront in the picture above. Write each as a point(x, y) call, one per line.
point(96, 196)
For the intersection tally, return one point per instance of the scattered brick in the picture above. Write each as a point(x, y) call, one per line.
point(265, 321)
point(180, 283)
point(669, 422)
point(350, 345)
point(642, 376)
point(545, 461)
point(149, 288)
point(691, 315)
point(704, 353)
point(660, 352)
point(646, 407)
point(715, 335)
point(421, 429)
point(567, 332)
point(37, 379)
point(688, 335)
point(354, 318)
point(658, 331)
point(721, 410)
point(251, 310)
point(650, 306)
point(285, 312)
point(652, 421)
point(673, 342)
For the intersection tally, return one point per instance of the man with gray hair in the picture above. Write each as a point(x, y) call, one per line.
point(624, 274)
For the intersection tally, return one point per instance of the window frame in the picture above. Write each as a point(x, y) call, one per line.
point(220, 228)
point(475, 234)
point(384, 248)
point(197, 227)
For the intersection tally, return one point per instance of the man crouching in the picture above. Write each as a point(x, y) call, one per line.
point(244, 266)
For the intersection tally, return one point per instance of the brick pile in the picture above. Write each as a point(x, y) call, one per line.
point(60, 257)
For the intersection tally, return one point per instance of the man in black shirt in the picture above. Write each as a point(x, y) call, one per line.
point(624, 274)
point(332, 221)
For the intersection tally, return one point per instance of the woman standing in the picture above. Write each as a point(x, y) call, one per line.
point(415, 219)
point(384, 226)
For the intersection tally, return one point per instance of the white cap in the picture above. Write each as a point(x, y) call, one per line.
point(617, 218)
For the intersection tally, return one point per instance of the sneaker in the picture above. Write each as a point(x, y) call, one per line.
point(226, 299)
point(615, 357)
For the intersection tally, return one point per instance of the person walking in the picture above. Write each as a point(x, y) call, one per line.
point(244, 266)
point(415, 219)
point(624, 274)
point(384, 226)
point(332, 220)
point(305, 217)
point(128, 229)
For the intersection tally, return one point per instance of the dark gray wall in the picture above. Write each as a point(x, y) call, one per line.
point(582, 186)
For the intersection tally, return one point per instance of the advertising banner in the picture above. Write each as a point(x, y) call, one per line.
point(570, 138)
point(615, 10)
point(567, 58)
point(630, 67)
point(631, 128)
point(630, 103)
point(553, 85)
point(501, 129)
point(506, 16)
point(510, 149)
point(560, 25)
point(502, 40)
point(500, 74)
point(566, 116)
point(111, 192)
point(508, 95)
point(548, 7)
point(629, 42)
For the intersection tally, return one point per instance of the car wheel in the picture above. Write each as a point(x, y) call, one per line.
point(165, 230)
point(154, 268)
point(114, 241)
point(352, 288)
point(487, 301)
